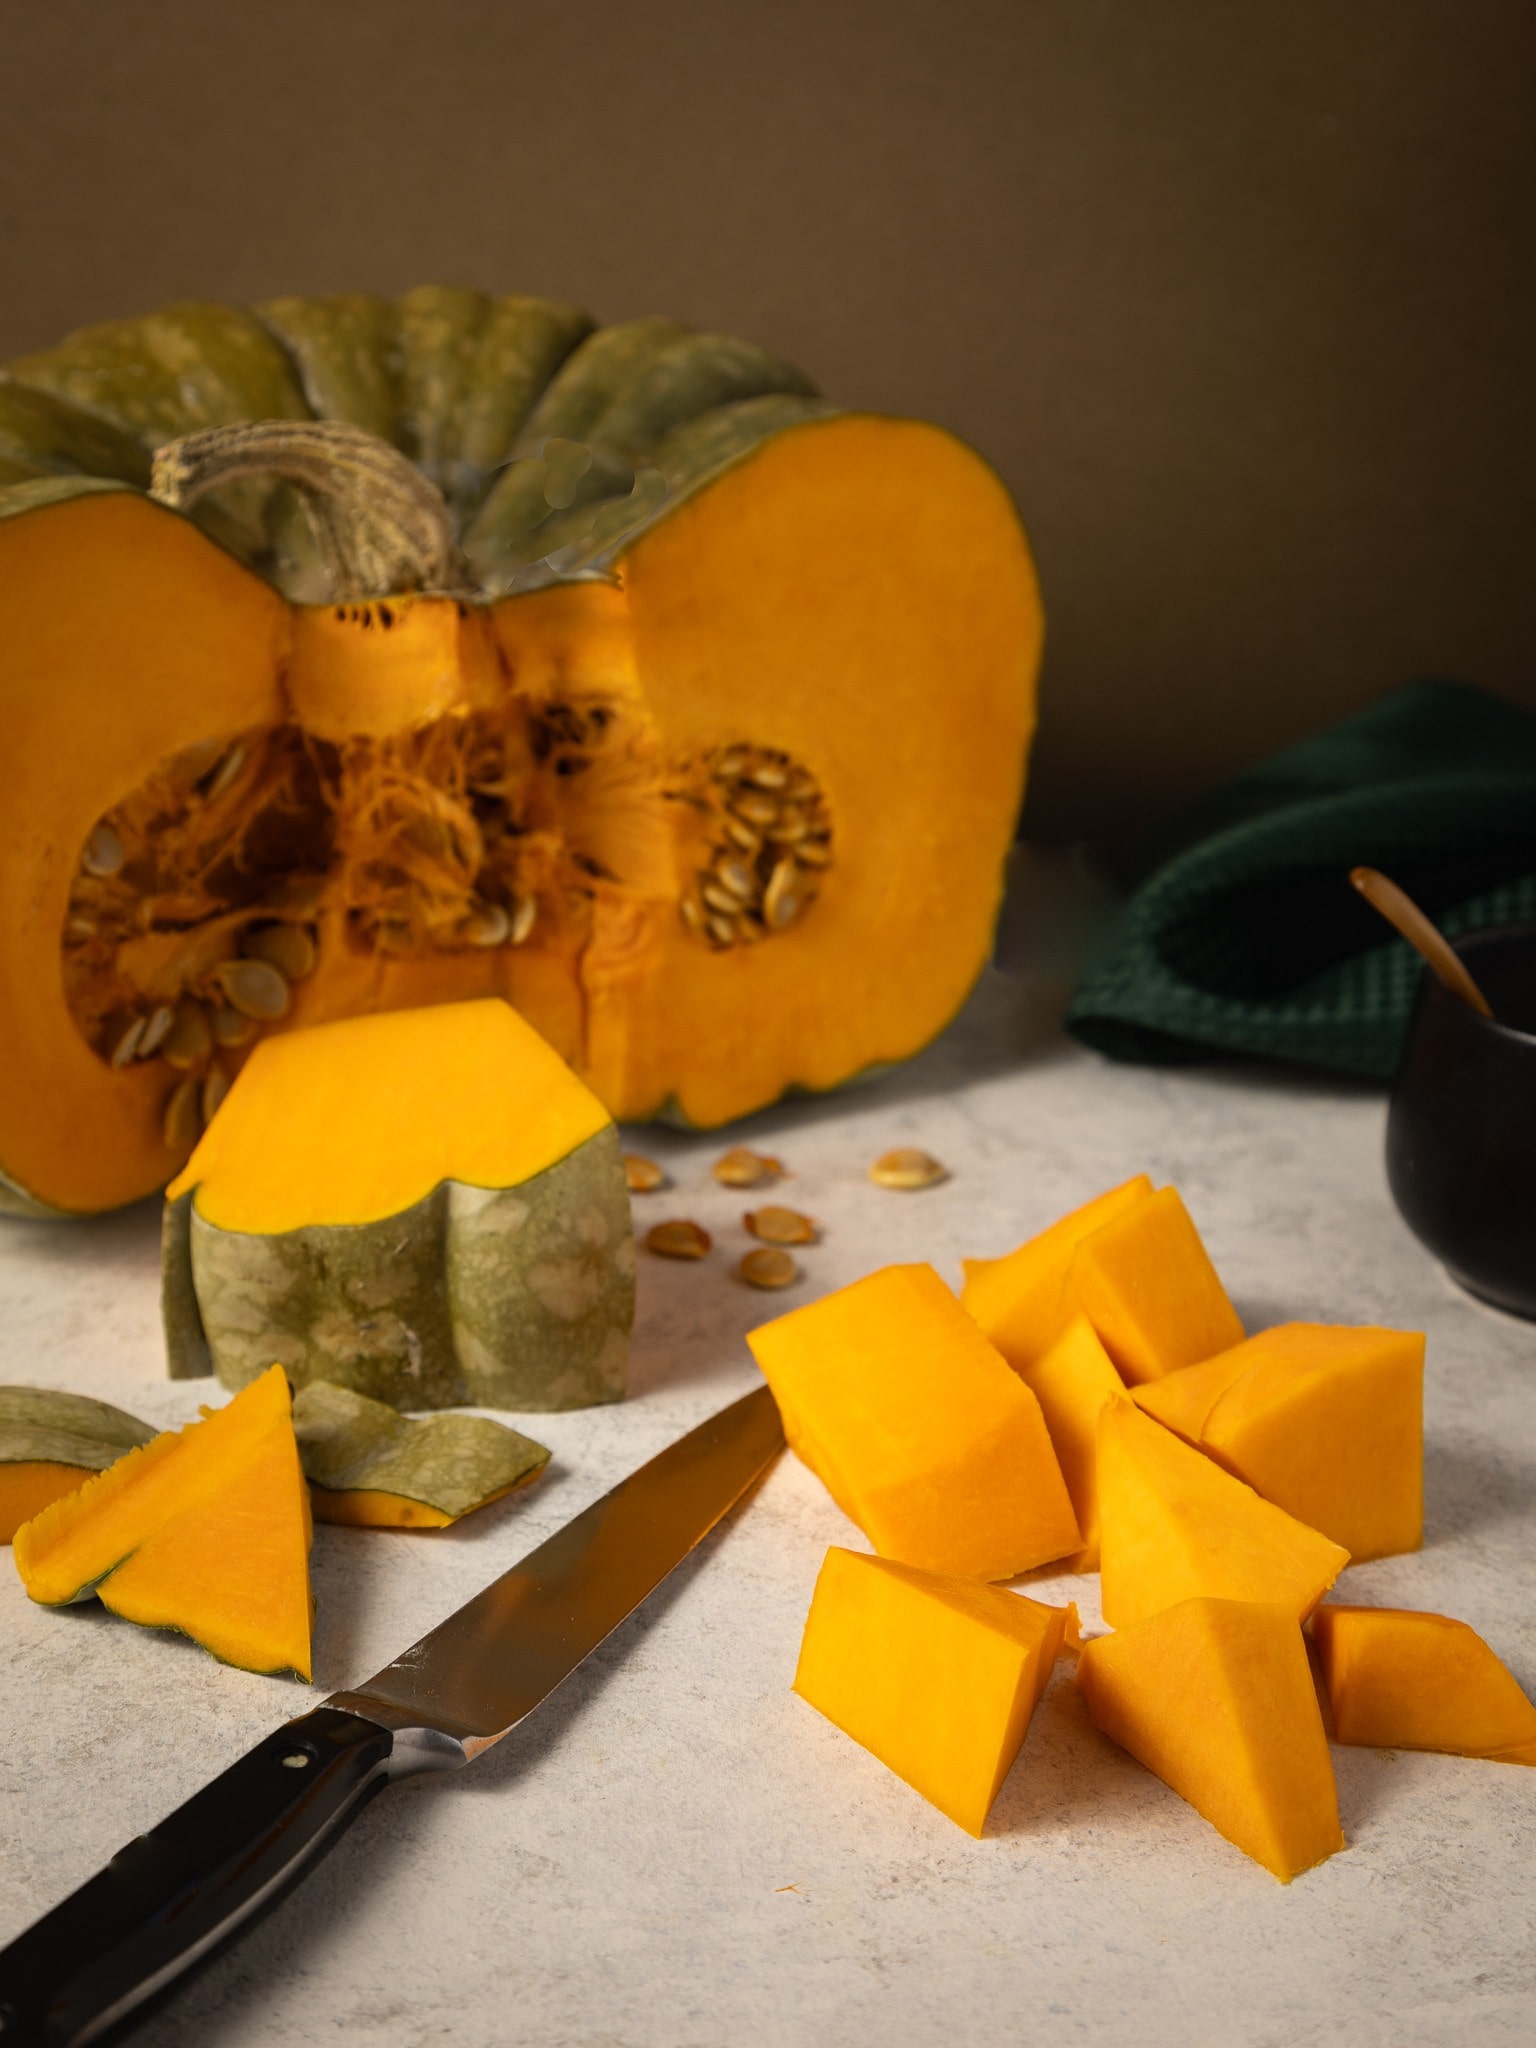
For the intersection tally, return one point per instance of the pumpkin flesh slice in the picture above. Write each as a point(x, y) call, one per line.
point(205, 1529)
point(1072, 1382)
point(1017, 1299)
point(51, 1443)
point(936, 1676)
point(1397, 1679)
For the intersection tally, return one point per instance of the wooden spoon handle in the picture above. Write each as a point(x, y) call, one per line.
point(1405, 916)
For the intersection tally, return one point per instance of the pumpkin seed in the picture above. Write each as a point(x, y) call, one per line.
point(768, 775)
point(691, 914)
point(741, 1167)
point(80, 928)
point(524, 918)
point(290, 948)
point(756, 807)
point(735, 876)
point(254, 987)
point(642, 1176)
point(813, 853)
point(226, 772)
point(487, 926)
point(189, 1040)
point(781, 1226)
point(723, 929)
point(183, 1117)
point(215, 1088)
point(156, 1026)
point(103, 853)
point(730, 765)
point(720, 899)
point(678, 1239)
point(743, 835)
point(790, 828)
point(768, 1269)
point(782, 902)
point(229, 1027)
point(127, 1046)
point(907, 1168)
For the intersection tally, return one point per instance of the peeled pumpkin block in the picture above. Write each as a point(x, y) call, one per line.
point(370, 1468)
point(1325, 1421)
point(917, 1428)
point(425, 1206)
point(1072, 1381)
point(1148, 1286)
point(1397, 1679)
point(936, 1676)
point(51, 1443)
point(1216, 1698)
point(206, 1530)
point(1017, 1299)
point(1173, 1526)
point(388, 652)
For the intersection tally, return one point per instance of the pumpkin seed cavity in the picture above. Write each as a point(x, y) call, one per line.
point(768, 845)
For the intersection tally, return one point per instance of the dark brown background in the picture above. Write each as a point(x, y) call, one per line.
point(1236, 293)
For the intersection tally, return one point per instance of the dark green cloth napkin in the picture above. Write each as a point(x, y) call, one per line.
point(1242, 933)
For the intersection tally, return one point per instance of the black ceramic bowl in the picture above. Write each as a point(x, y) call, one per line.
point(1461, 1132)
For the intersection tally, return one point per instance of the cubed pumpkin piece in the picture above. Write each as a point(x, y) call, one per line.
point(1173, 1527)
point(1072, 1381)
point(1216, 1698)
point(917, 1428)
point(1148, 1287)
point(51, 1443)
point(206, 1530)
point(1397, 1679)
point(1017, 1299)
point(935, 1676)
point(1325, 1421)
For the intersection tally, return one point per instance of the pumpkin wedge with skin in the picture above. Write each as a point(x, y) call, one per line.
point(1173, 1526)
point(937, 1677)
point(205, 1530)
point(1325, 1421)
point(1146, 1283)
point(1072, 1381)
point(463, 650)
point(917, 1428)
point(1216, 1698)
point(51, 1443)
point(1396, 1679)
point(370, 1468)
point(1017, 1299)
point(425, 1206)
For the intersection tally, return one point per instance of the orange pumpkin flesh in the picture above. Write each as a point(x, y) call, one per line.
point(851, 606)
point(1397, 1679)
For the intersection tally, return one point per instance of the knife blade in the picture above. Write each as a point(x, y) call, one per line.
point(170, 1897)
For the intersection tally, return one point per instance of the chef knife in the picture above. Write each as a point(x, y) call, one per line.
point(170, 1896)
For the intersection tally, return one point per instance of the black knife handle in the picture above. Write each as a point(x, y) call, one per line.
point(172, 1894)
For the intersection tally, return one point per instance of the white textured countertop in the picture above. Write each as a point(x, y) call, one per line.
point(674, 1852)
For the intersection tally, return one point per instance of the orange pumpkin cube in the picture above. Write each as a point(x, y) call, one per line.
point(1173, 1526)
point(1325, 1421)
point(916, 1426)
point(935, 1676)
point(1216, 1698)
point(1017, 1299)
point(1148, 1287)
point(1072, 1381)
point(1397, 1679)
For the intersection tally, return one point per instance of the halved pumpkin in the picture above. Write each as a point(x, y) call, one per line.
point(456, 654)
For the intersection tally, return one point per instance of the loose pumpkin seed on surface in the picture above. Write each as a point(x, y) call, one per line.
point(764, 1268)
point(907, 1168)
point(678, 1239)
point(781, 1226)
point(642, 1176)
point(741, 1167)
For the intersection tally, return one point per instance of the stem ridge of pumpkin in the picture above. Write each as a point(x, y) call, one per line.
point(381, 526)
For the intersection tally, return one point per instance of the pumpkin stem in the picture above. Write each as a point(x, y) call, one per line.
point(381, 526)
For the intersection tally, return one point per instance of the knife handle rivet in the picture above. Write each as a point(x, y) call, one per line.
point(295, 1760)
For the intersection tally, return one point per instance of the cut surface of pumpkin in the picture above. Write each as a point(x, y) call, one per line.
point(936, 1676)
point(206, 1530)
point(51, 1443)
point(1398, 1679)
point(1072, 1380)
point(1146, 1282)
point(1173, 1526)
point(459, 650)
point(1325, 1421)
point(1216, 1698)
point(917, 1428)
point(371, 1468)
point(1017, 1299)
point(426, 1206)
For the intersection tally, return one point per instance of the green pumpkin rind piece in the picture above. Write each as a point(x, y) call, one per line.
point(56, 438)
point(187, 1356)
point(346, 351)
point(453, 1463)
point(517, 1298)
point(41, 1426)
